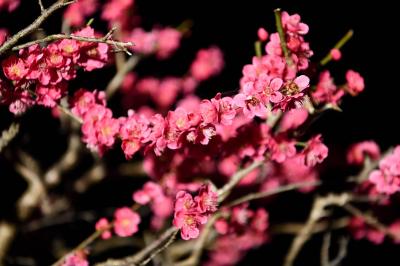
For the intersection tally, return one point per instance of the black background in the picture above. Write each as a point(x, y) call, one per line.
point(232, 25)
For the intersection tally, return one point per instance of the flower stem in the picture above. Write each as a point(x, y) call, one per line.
point(279, 27)
point(257, 48)
point(338, 45)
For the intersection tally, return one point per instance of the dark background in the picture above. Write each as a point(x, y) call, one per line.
point(232, 25)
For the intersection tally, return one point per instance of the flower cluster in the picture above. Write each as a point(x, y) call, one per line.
point(190, 213)
point(246, 229)
point(9, 5)
point(387, 178)
point(76, 13)
point(161, 42)
point(125, 223)
point(358, 152)
point(76, 259)
point(161, 204)
point(39, 75)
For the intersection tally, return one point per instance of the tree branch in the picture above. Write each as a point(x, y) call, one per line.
point(10, 43)
point(117, 80)
point(144, 256)
point(8, 135)
point(56, 37)
point(317, 212)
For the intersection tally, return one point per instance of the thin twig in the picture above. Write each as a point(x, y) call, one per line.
point(317, 212)
point(264, 194)
point(235, 179)
point(282, 37)
point(42, 9)
point(56, 37)
point(10, 43)
point(370, 220)
point(338, 45)
point(8, 135)
point(326, 243)
point(343, 243)
point(143, 256)
point(117, 80)
point(322, 226)
point(198, 247)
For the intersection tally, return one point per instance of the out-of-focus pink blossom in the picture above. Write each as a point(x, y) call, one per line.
point(359, 151)
point(126, 222)
point(387, 177)
point(104, 225)
point(208, 62)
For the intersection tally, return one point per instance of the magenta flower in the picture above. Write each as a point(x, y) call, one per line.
point(207, 200)
point(359, 151)
point(355, 82)
point(208, 62)
point(14, 68)
point(104, 225)
point(315, 152)
point(126, 222)
point(251, 105)
point(387, 178)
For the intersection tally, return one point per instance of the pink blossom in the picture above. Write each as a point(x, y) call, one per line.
point(315, 152)
point(3, 35)
point(326, 91)
point(359, 151)
point(103, 225)
point(126, 222)
point(282, 150)
point(168, 41)
point(189, 224)
point(336, 54)
point(251, 105)
point(208, 62)
point(208, 111)
point(355, 82)
point(292, 24)
point(114, 9)
point(77, 12)
point(207, 200)
point(76, 259)
point(262, 34)
point(293, 119)
point(10, 5)
point(387, 178)
point(14, 68)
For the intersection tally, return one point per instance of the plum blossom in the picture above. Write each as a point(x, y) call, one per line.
point(387, 177)
point(104, 225)
point(359, 151)
point(126, 222)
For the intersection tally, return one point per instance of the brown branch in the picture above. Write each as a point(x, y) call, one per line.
point(41, 6)
point(235, 179)
point(264, 194)
point(117, 80)
point(322, 226)
point(317, 212)
point(371, 220)
point(10, 43)
point(8, 135)
point(55, 37)
point(69, 158)
point(7, 234)
point(143, 256)
point(198, 247)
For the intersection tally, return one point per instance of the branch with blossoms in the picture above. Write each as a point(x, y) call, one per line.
point(206, 170)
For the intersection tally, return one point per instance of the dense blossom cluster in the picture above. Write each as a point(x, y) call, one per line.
point(125, 223)
point(39, 75)
point(190, 213)
point(387, 177)
point(244, 230)
point(185, 140)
